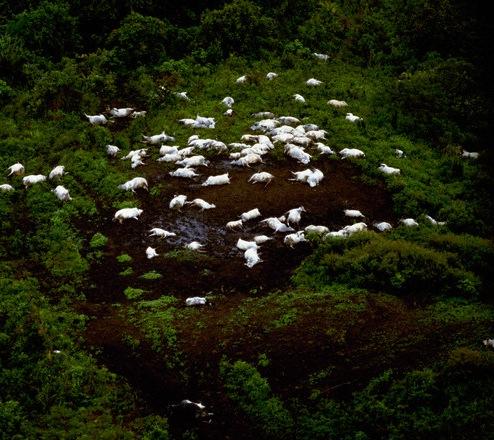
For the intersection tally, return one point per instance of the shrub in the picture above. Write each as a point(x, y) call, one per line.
point(126, 272)
point(156, 318)
point(139, 40)
point(153, 275)
point(395, 266)
point(98, 240)
point(252, 393)
point(124, 258)
point(49, 29)
point(13, 56)
point(133, 293)
point(239, 28)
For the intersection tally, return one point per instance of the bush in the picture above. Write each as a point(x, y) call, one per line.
point(252, 393)
point(49, 30)
point(13, 56)
point(98, 240)
point(124, 258)
point(140, 40)
point(440, 102)
point(394, 266)
point(133, 293)
point(151, 276)
point(239, 28)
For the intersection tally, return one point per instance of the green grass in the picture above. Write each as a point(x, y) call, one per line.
point(126, 272)
point(185, 256)
point(151, 276)
point(124, 258)
point(133, 293)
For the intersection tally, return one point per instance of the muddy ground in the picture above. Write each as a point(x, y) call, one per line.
point(219, 271)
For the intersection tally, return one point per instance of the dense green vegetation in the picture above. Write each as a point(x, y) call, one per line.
point(379, 337)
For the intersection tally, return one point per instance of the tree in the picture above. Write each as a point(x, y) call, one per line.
point(49, 30)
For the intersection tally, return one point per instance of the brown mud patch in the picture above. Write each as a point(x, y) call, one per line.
point(220, 268)
point(219, 271)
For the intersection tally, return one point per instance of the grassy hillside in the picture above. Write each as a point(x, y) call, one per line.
point(374, 336)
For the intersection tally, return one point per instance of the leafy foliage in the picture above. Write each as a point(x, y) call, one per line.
point(395, 266)
point(252, 393)
point(382, 336)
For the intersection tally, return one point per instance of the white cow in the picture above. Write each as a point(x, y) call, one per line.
point(33, 179)
point(127, 213)
point(251, 257)
point(62, 193)
point(135, 183)
point(178, 202)
point(17, 169)
point(221, 179)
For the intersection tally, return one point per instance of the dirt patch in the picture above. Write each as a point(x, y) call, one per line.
point(220, 270)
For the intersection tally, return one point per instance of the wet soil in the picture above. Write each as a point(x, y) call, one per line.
point(219, 270)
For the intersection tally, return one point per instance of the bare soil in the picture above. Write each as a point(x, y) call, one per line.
point(219, 271)
point(222, 269)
